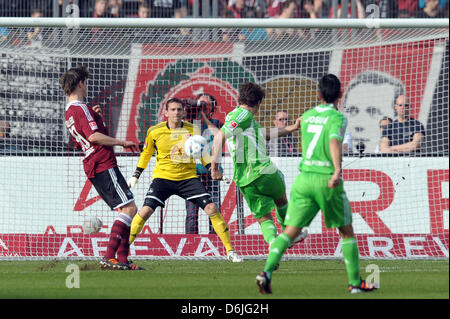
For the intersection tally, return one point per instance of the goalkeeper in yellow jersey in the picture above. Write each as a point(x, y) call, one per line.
point(175, 174)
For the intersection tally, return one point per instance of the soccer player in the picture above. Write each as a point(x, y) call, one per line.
point(175, 174)
point(260, 182)
point(320, 186)
point(88, 131)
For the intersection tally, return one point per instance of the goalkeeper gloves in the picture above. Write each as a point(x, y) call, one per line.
point(132, 181)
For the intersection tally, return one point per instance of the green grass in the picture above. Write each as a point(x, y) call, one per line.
point(299, 279)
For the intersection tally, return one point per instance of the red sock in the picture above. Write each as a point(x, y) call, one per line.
point(120, 232)
point(124, 249)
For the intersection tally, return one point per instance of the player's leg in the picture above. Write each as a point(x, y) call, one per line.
point(221, 229)
point(157, 193)
point(350, 253)
point(193, 190)
point(337, 214)
point(278, 183)
point(113, 189)
point(261, 206)
point(301, 211)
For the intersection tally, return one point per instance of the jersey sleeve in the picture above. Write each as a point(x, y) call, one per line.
point(147, 151)
point(85, 120)
point(236, 123)
point(338, 125)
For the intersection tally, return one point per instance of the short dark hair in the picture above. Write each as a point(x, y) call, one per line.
point(172, 100)
point(330, 88)
point(386, 118)
point(251, 94)
point(71, 78)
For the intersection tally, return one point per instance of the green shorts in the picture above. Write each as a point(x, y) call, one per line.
point(309, 194)
point(261, 193)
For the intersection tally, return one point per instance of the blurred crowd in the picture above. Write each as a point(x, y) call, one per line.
point(230, 8)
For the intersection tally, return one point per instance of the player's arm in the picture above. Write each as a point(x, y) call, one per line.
point(336, 158)
point(337, 133)
point(412, 146)
point(105, 140)
point(144, 159)
point(218, 142)
point(285, 130)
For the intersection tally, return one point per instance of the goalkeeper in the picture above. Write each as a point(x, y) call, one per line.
point(175, 174)
point(260, 182)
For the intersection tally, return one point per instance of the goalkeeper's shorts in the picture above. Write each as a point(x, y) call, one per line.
point(190, 189)
point(112, 188)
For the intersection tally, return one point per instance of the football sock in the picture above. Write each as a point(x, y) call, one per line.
point(136, 227)
point(351, 257)
point(281, 215)
point(269, 230)
point(124, 247)
point(221, 229)
point(118, 231)
point(276, 252)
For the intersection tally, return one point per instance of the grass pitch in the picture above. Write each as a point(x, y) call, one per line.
point(187, 279)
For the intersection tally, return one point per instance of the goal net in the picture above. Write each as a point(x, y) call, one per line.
point(400, 202)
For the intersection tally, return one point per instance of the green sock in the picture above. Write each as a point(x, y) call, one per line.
point(351, 257)
point(269, 230)
point(277, 250)
point(281, 215)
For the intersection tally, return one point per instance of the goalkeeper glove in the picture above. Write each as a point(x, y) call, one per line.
point(132, 181)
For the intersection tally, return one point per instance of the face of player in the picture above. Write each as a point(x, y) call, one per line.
point(364, 107)
point(174, 113)
point(281, 119)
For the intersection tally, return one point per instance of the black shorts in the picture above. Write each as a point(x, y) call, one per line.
point(189, 189)
point(112, 188)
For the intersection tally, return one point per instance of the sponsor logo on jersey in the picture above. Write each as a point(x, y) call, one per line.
point(232, 125)
point(93, 125)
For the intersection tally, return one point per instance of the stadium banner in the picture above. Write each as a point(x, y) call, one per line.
point(378, 197)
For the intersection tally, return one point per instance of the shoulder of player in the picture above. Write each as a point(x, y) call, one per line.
point(239, 115)
point(79, 108)
point(155, 128)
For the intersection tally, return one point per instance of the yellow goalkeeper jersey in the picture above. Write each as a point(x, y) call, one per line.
point(171, 161)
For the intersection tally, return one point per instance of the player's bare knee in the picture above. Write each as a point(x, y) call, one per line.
point(146, 212)
point(211, 209)
point(346, 231)
point(130, 209)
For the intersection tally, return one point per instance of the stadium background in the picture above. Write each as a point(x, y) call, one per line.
point(33, 104)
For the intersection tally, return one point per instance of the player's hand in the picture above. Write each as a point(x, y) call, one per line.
point(131, 145)
point(216, 175)
point(335, 180)
point(132, 181)
point(297, 122)
point(97, 109)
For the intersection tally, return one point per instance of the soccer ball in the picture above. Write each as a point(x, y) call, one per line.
point(195, 146)
point(92, 225)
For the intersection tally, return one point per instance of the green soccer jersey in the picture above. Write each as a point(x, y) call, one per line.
point(319, 125)
point(247, 146)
